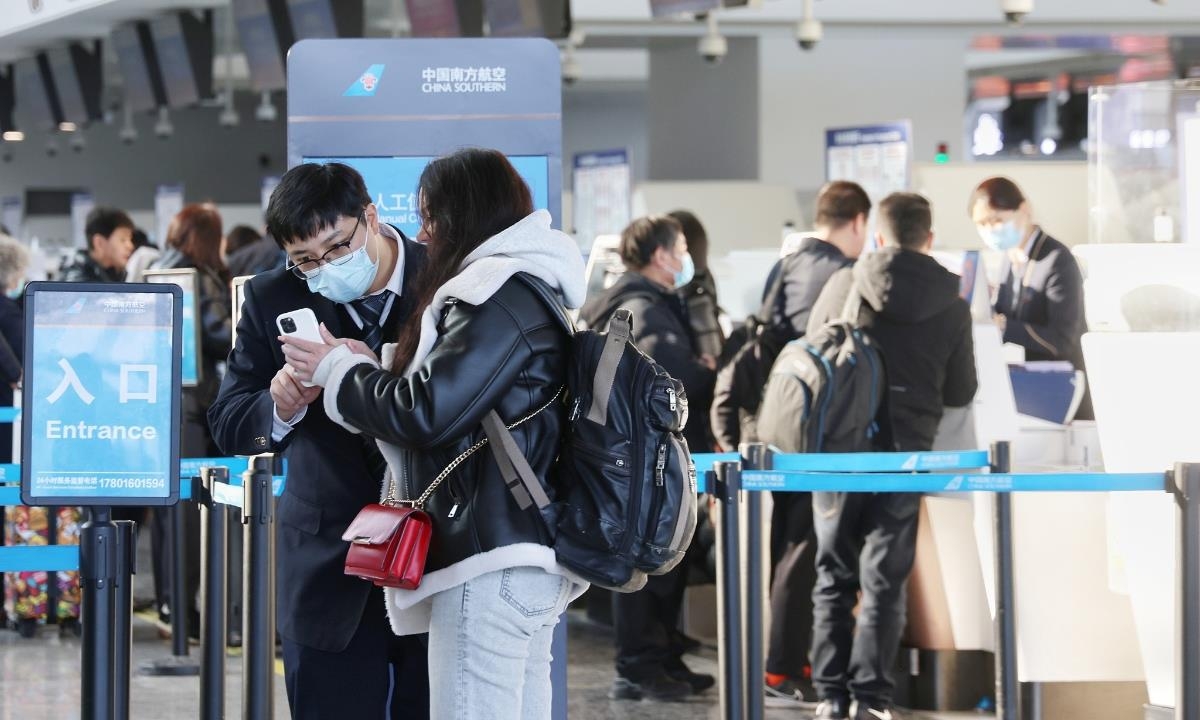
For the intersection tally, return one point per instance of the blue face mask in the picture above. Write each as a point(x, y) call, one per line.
point(16, 292)
point(1004, 238)
point(346, 281)
point(685, 273)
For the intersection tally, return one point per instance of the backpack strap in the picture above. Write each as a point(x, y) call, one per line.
point(620, 330)
point(550, 298)
point(514, 467)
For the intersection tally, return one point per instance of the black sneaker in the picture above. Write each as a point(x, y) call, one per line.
point(699, 682)
point(867, 711)
point(660, 688)
point(790, 693)
point(833, 709)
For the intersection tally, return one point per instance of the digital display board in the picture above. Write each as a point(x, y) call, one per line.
point(102, 403)
point(33, 108)
point(260, 43)
point(179, 78)
point(392, 183)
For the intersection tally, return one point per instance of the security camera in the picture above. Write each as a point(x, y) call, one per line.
point(809, 32)
point(570, 65)
point(266, 112)
point(163, 128)
point(713, 46)
point(228, 117)
point(1016, 10)
point(128, 134)
point(76, 142)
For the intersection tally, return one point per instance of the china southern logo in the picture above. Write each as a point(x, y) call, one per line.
point(366, 84)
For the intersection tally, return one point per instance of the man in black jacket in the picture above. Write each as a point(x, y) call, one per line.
point(110, 243)
point(340, 656)
point(792, 289)
point(909, 304)
point(654, 251)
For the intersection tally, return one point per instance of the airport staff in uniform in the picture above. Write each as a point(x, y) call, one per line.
point(1039, 303)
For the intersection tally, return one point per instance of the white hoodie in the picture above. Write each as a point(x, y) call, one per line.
point(530, 246)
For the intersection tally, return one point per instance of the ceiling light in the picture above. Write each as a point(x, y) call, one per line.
point(13, 136)
point(67, 126)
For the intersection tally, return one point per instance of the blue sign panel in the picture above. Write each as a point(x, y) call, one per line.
point(392, 183)
point(386, 107)
point(101, 415)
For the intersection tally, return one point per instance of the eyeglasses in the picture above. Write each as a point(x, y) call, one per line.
point(339, 254)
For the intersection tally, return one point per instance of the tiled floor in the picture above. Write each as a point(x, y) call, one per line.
point(39, 680)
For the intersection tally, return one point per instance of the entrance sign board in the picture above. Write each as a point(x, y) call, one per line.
point(102, 401)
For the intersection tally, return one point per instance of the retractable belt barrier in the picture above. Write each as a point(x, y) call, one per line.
point(59, 558)
point(739, 479)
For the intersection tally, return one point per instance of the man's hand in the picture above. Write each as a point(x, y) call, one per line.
point(708, 361)
point(1001, 321)
point(305, 356)
point(289, 395)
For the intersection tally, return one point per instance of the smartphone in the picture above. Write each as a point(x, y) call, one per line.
point(301, 324)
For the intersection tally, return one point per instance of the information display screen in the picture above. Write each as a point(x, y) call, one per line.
point(101, 408)
point(392, 183)
point(185, 279)
point(139, 88)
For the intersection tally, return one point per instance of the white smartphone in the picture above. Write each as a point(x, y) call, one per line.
point(301, 324)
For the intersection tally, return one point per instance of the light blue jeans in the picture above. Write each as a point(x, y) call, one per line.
point(489, 645)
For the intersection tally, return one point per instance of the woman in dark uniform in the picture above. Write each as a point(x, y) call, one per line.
point(1039, 303)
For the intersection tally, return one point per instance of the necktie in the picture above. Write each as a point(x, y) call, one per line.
point(370, 309)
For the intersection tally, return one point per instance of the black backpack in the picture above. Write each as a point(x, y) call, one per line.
point(743, 368)
point(827, 392)
point(625, 503)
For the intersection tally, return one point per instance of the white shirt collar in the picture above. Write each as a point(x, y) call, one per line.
point(396, 282)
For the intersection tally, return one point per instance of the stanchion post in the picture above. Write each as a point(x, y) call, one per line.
point(259, 604)
point(755, 456)
point(1187, 493)
point(97, 569)
point(726, 483)
point(213, 596)
point(180, 603)
point(177, 664)
point(233, 555)
point(1008, 701)
point(126, 557)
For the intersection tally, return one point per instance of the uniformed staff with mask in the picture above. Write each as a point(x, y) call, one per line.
point(1039, 302)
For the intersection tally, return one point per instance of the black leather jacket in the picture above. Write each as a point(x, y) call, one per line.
point(509, 354)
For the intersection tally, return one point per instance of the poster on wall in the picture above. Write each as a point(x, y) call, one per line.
point(602, 186)
point(168, 201)
point(878, 157)
point(12, 214)
point(82, 205)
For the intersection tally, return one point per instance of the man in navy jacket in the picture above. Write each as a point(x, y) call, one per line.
point(340, 656)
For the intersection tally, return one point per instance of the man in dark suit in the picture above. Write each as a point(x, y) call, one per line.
point(356, 274)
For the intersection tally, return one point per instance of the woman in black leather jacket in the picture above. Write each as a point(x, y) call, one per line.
point(492, 591)
point(194, 241)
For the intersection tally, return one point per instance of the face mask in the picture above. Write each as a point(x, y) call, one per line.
point(685, 273)
point(16, 292)
point(347, 281)
point(1004, 238)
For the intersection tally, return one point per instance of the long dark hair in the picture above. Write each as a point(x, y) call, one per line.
point(196, 232)
point(466, 198)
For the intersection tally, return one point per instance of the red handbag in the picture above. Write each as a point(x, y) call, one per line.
point(388, 545)
point(390, 540)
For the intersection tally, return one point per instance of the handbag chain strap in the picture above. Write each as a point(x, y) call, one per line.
point(419, 503)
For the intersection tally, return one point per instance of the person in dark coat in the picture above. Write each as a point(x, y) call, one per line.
point(655, 253)
point(14, 261)
point(700, 295)
point(356, 274)
point(248, 252)
point(1039, 303)
point(791, 291)
point(909, 305)
point(110, 243)
point(194, 241)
